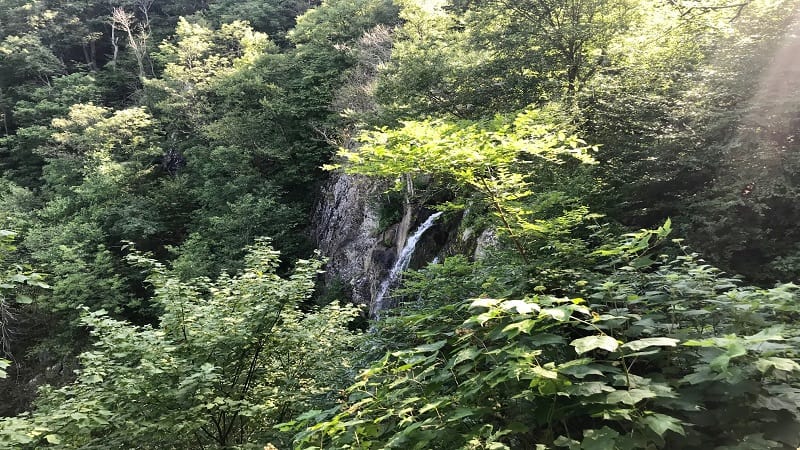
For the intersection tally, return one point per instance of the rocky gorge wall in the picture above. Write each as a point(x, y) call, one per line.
point(346, 227)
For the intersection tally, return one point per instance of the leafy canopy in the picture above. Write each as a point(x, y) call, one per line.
point(228, 359)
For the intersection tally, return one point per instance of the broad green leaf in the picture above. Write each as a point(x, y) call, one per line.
point(520, 306)
point(24, 300)
point(483, 303)
point(644, 353)
point(563, 441)
point(544, 339)
point(580, 371)
point(545, 373)
point(701, 376)
point(777, 404)
point(785, 364)
point(435, 346)
point(650, 342)
point(644, 261)
point(588, 388)
point(430, 406)
point(629, 397)
point(18, 278)
point(773, 333)
point(460, 413)
point(700, 343)
point(602, 439)
point(559, 314)
point(523, 326)
point(661, 423)
point(590, 343)
point(465, 354)
point(721, 362)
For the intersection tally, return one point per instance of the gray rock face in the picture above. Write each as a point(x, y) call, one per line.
point(346, 231)
point(345, 225)
point(485, 242)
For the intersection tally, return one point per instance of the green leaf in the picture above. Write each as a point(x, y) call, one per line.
point(18, 278)
point(785, 364)
point(52, 439)
point(644, 261)
point(650, 342)
point(581, 368)
point(700, 376)
point(661, 423)
point(545, 373)
point(736, 349)
point(460, 413)
point(430, 406)
point(520, 306)
point(515, 328)
point(602, 439)
point(590, 343)
point(563, 441)
point(776, 404)
point(559, 314)
point(629, 397)
point(733, 350)
point(588, 388)
point(538, 339)
point(465, 354)
point(483, 303)
point(433, 347)
point(665, 229)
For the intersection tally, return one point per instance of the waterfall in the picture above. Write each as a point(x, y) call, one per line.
point(401, 264)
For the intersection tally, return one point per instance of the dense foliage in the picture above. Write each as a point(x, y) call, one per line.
point(643, 350)
point(17, 282)
point(189, 138)
point(228, 359)
point(156, 158)
point(675, 356)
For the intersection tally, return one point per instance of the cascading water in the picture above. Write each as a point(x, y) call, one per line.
point(401, 264)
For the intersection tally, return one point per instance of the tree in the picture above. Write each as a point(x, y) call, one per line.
point(690, 149)
point(138, 34)
point(434, 69)
point(228, 359)
point(17, 284)
point(276, 18)
point(495, 158)
point(99, 171)
point(570, 38)
point(478, 58)
point(26, 57)
point(197, 60)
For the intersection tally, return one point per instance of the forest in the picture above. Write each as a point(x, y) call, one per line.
point(400, 224)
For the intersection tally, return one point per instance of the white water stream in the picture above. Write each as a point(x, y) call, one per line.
point(401, 264)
